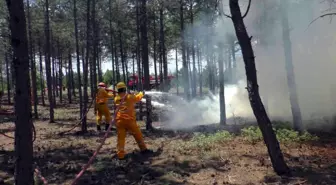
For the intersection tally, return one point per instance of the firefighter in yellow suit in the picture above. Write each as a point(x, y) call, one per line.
point(126, 120)
point(101, 107)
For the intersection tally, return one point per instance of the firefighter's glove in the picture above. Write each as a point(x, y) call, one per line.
point(140, 94)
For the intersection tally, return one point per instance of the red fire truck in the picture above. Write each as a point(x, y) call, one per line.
point(133, 81)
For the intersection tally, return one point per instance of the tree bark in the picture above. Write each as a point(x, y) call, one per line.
point(69, 80)
point(116, 63)
point(111, 41)
point(24, 174)
point(221, 85)
point(86, 65)
point(1, 79)
point(154, 52)
point(177, 73)
point(164, 55)
point(144, 44)
point(265, 125)
point(60, 79)
point(41, 73)
point(200, 77)
point(184, 60)
point(293, 97)
point(139, 85)
point(95, 45)
point(122, 54)
point(194, 71)
point(32, 61)
point(78, 61)
point(8, 78)
point(48, 63)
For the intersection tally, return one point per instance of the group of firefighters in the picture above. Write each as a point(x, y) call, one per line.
point(125, 118)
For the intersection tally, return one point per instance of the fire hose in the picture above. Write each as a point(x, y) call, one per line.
point(61, 133)
point(81, 119)
point(34, 134)
point(84, 114)
point(86, 166)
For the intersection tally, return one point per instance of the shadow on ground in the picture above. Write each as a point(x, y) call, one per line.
point(307, 170)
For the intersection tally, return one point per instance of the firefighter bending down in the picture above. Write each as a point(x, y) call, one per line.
point(101, 107)
point(126, 120)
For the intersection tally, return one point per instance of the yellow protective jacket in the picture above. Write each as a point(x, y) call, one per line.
point(127, 108)
point(102, 96)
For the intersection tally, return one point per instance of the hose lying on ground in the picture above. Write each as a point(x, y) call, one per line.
point(81, 119)
point(86, 166)
point(34, 134)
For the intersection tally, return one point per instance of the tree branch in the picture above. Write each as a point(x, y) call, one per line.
point(321, 16)
point(248, 9)
point(221, 11)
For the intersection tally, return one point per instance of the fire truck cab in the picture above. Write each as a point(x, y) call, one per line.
point(134, 79)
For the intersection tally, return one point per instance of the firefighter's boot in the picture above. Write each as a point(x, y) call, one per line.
point(106, 126)
point(98, 128)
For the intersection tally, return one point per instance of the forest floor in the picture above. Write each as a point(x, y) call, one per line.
point(179, 157)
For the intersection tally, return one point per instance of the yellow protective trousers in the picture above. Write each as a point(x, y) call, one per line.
point(103, 110)
point(124, 126)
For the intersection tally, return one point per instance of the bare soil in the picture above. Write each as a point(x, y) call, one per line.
point(61, 157)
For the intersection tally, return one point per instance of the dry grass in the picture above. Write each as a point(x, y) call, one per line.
point(179, 158)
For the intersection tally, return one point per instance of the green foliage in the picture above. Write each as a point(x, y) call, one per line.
point(108, 77)
point(206, 142)
point(253, 134)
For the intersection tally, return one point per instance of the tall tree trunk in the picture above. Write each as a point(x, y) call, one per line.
point(69, 80)
point(144, 44)
point(194, 71)
point(161, 64)
point(126, 69)
point(234, 62)
point(86, 65)
point(100, 72)
point(184, 60)
point(48, 63)
point(60, 79)
point(263, 120)
point(189, 65)
point(73, 85)
point(68, 86)
point(133, 67)
point(154, 52)
point(1, 78)
point(12, 72)
point(54, 78)
point(177, 73)
point(32, 61)
point(221, 84)
point(133, 63)
point(111, 40)
point(95, 46)
point(98, 54)
point(121, 53)
point(200, 78)
point(116, 63)
point(8, 78)
point(164, 55)
point(161, 69)
point(229, 66)
point(41, 73)
point(139, 85)
point(78, 62)
point(24, 174)
point(293, 97)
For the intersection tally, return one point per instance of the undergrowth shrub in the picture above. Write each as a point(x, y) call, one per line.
point(206, 142)
point(283, 134)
